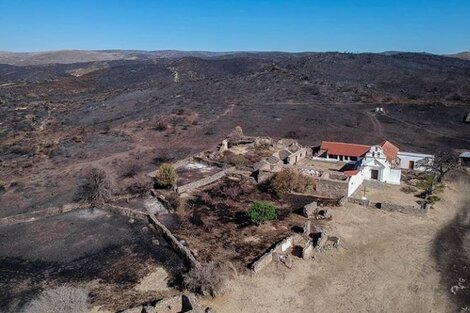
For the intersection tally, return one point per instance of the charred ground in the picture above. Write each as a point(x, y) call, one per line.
point(59, 120)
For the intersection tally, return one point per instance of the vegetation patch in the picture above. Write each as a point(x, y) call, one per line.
point(260, 212)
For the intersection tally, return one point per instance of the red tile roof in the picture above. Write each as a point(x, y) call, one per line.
point(351, 172)
point(390, 150)
point(341, 148)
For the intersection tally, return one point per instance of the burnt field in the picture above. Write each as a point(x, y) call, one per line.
point(57, 121)
point(214, 222)
point(60, 119)
point(84, 247)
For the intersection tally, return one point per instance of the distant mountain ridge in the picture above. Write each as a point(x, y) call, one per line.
point(82, 56)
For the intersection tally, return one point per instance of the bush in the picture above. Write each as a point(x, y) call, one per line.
point(260, 212)
point(95, 188)
point(209, 279)
point(408, 189)
point(289, 180)
point(235, 159)
point(139, 186)
point(433, 199)
point(59, 300)
point(283, 182)
point(132, 170)
point(161, 124)
point(231, 190)
point(166, 176)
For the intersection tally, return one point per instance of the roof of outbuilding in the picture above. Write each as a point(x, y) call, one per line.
point(273, 160)
point(390, 150)
point(284, 154)
point(350, 172)
point(342, 148)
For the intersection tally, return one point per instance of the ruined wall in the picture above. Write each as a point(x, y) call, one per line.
point(204, 181)
point(332, 188)
point(280, 247)
point(297, 156)
point(116, 209)
point(406, 209)
point(182, 250)
point(35, 215)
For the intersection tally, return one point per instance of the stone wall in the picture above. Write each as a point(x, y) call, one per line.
point(204, 181)
point(280, 247)
point(187, 303)
point(116, 209)
point(182, 250)
point(35, 215)
point(332, 188)
point(406, 209)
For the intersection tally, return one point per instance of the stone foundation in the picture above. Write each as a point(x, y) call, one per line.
point(406, 209)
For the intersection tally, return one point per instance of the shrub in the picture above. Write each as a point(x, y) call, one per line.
point(231, 190)
point(166, 176)
point(161, 124)
point(139, 186)
point(235, 159)
point(260, 212)
point(283, 182)
point(433, 199)
point(408, 189)
point(209, 279)
point(59, 300)
point(95, 188)
point(132, 170)
point(289, 180)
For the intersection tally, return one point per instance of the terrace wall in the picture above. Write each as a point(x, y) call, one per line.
point(406, 209)
point(35, 215)
point(332, 188)
point(204, 181)
point(174, 242)
point(280, 247)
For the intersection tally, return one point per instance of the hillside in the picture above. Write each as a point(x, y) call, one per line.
point(73, 116)
point(461, 55)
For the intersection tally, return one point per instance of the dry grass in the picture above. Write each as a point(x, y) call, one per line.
point(209, 279)
point(60, 300)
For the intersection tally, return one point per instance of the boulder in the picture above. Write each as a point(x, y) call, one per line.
point(310, 210)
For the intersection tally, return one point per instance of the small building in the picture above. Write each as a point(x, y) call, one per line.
point(378, 165)
point(341, 151)
point(464, 158)
point(414, 161)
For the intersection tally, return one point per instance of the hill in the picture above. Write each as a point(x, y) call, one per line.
point(59, 119)
point(461, 55)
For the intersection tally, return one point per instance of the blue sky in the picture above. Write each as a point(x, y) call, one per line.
point(290, 25)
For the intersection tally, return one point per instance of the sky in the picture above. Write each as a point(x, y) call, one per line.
point(291, 25)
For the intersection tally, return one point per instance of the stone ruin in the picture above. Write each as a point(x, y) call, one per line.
point(186, 303)
point(313, 211)
point(310, 242)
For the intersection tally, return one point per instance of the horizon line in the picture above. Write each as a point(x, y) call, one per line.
point(231, 51)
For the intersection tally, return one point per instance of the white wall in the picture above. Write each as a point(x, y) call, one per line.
point(354, 182)
point(395, 176)
point(406, 157)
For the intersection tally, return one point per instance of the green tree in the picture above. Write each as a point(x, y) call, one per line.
point(260, 212)
point(166, 176)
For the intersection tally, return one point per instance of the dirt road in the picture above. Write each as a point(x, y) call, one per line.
point(388, 265)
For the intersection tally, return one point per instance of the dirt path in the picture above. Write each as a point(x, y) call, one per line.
point(386, 266)
point(375, 123)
